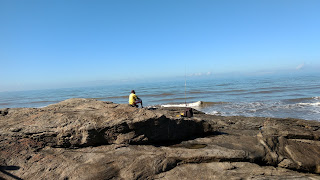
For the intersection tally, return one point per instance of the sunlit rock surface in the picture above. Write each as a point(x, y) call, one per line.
point(90, 139)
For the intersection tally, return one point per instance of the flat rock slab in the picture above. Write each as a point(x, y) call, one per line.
point(90, 139)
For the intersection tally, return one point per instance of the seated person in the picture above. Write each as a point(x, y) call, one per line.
point(134, 100)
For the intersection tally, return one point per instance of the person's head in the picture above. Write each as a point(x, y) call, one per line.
point(133, 92)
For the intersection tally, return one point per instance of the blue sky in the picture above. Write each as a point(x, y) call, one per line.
point(63, 43)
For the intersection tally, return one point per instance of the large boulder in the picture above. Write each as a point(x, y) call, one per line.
point(88, 122)
point(90, 139)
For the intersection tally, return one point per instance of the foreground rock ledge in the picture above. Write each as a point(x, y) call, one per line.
point(90, 139)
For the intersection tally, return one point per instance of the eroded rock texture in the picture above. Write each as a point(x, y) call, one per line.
point(90, 139)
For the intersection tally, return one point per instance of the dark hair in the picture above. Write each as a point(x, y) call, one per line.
point(133, 91)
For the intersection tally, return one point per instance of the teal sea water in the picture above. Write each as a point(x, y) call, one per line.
point(295, 96)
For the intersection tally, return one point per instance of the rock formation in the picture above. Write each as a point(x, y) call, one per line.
point(90, 139)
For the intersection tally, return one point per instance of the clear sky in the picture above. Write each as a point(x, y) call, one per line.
point(61, 43)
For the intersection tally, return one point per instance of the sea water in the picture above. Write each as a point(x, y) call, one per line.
point(282, 96)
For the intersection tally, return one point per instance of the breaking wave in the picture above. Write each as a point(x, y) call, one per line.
point(302, 108)
point(281, 109)
point(195, 104)
point(200, 104)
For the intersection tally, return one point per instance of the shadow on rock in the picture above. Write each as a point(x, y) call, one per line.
point(4, 169)
point(161, 131)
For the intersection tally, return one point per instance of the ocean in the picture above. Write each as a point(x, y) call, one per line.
point(281, 96)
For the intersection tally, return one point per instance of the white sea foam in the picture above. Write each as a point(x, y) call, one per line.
point(310, 104)
point(194, 104)
point(215, 113)
point(316, 98)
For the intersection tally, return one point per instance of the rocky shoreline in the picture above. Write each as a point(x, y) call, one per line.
point(90, 139)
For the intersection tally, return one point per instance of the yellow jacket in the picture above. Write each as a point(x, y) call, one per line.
point(132, 98)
